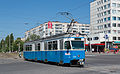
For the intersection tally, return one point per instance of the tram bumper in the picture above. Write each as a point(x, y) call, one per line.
point(78, 62)
point(81, 61)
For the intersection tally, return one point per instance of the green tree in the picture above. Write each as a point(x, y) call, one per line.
point(7, 44)
point(28, 39)
point(32, 37)
point(2, 46)
point(16, 44)
point(11, 41)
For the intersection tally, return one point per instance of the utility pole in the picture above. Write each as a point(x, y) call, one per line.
point(9, 43)
point(19, 47)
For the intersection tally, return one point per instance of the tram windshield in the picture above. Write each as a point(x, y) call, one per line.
point(77, 44)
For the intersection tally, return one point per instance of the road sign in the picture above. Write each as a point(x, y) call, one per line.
point(77, 35)
point(106, 37)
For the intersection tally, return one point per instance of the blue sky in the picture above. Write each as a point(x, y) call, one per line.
point(15, 13)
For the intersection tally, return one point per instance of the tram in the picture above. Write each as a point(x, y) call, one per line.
point(62, 49)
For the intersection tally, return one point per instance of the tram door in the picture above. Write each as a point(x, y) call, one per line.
point(45, 51)
point(61, 50)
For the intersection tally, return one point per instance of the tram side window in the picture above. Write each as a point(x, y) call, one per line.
point(55, 45)
point(67, 45)
point(38, 46)
point(30, 48)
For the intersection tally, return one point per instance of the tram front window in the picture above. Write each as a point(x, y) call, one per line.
point(77, 44)
point(67, 45)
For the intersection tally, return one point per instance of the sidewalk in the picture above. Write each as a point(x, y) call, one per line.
point(97, 53)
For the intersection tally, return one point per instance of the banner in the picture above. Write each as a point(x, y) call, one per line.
point(49, 25)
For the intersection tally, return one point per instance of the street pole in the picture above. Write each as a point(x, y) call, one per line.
point(9, 42)
point(105, 42)
point(90, 44)
point(19, 48)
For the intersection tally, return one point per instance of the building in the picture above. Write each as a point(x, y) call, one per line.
point(57, 28)
point(105, 22)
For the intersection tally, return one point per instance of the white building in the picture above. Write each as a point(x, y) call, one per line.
point(105, 20)
point(57, 27)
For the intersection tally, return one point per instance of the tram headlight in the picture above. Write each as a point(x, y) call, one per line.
point(80, 60)
point(78, 55)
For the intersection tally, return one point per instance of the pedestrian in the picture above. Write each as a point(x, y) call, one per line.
point(19, 54)
point(99, 51)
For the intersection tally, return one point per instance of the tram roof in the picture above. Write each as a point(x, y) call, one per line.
point(54, 36)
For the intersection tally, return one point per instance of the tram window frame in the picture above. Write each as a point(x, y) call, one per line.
point(45, 45)
point(26, 47)
point(61, 44)
point(68, 45)
point(50, 46)
point(30, 47)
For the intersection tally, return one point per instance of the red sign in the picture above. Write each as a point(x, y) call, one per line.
point(77, 35)
point(49, 25)
point(115, 46)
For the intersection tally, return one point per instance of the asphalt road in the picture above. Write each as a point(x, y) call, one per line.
point(104, 64)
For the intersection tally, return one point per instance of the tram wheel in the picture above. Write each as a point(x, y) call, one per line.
point(67, 64)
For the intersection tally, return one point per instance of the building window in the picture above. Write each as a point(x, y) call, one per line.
point(118, 38)
point(108, 5)
point(108, 18)
point(105, 26)
point(118, 25)
point(105, 0)
point(105, 7)
point(113, 4)
point(109, 31)
point(114, 24)
point(108, 11)
point(114, 18)
point(113, 11)
point(105, 13)
point(118, 5)
point(114, 31)
point(118, 31)
point(104, 19)
point(96, 38)
point(102, 8)
point(119, 18)
point(109, 25)
point(114, 38)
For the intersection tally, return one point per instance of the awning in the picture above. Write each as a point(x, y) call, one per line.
point(116, 42)
point(95, 44)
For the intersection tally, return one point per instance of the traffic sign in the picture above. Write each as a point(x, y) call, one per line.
point(106, 36)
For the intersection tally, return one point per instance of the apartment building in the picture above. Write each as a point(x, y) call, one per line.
point(57, 27)
point(105, 22)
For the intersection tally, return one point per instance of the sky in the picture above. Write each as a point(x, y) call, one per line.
point(14, 14)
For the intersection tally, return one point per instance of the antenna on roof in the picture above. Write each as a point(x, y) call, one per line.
point(69, 16)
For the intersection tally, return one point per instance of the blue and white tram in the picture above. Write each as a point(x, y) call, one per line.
point(62, 49)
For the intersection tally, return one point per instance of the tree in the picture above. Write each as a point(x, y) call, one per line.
point(16, 44)
point(32, 37)
point(2, 46)
point(28, 39)
point(11, 41)
point(7, 44)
